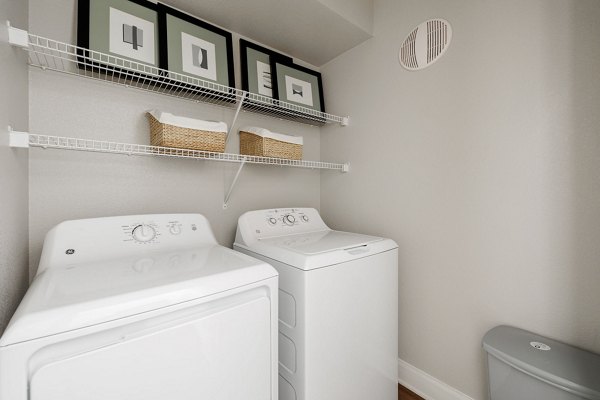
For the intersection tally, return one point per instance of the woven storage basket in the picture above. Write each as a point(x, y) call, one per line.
point(166, 135)
point(255, 145)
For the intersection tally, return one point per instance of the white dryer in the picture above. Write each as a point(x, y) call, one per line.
point(145, 307)
point(338, 305)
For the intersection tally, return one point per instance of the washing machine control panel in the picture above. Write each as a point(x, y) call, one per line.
point(281, 221)
point(290, 217)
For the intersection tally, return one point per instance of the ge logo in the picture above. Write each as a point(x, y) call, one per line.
point(70, 251)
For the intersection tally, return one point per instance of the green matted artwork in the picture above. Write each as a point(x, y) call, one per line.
point(192, 47)
point(256, 68)
point(123, 28)
point(297, 85)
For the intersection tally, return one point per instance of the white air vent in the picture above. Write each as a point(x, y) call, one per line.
point(425, 44)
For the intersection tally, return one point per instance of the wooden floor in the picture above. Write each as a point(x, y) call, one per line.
point(405, 394)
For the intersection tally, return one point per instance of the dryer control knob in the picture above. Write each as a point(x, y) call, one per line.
point(143, 233)
point(272, 221)
point(289, 219)
point(305, 218)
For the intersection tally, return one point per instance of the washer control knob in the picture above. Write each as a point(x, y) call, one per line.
point(289, 219)
point(143, 233)
point(175, 229)
point(272, 221)
point(305, 218)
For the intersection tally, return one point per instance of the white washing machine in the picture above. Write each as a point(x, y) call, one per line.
point(145, 307)
point(338, 305)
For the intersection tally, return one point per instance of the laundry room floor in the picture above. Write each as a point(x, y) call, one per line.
point(405, 394)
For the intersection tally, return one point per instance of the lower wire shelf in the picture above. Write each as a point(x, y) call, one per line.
point(25, 139)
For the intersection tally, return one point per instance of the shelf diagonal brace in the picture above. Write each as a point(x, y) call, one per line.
point(235, 117)
point(235, 179)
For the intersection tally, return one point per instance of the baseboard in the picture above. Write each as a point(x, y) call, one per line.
point(426, 385)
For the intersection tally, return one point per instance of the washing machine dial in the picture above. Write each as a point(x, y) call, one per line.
point(289, 219)
point(272, 221)
point(305, 218)
point(175, 229)
point(143, 233)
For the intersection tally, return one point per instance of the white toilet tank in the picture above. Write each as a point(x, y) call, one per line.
point(526, 366)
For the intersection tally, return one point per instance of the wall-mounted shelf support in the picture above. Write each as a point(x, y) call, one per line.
point(18, 139)
point(17, 37)
point(235, 179)
point(53, 55)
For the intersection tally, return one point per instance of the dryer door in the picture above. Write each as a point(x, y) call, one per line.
point(219, 350)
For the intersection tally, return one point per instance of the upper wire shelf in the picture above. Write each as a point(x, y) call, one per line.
point(62, 57)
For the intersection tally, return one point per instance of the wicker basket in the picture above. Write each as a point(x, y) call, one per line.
point(255, 145)
point(166, 135)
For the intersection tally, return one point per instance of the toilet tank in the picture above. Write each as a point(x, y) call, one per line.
point(526, 366)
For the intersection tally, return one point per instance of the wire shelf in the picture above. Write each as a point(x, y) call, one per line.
point(62, 57)
point(101, 146)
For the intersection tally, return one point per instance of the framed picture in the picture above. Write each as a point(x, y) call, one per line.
point(256, 68)
point(297, 85)
point(193, 47)
point(124, 28)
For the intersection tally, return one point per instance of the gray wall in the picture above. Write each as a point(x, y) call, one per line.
point(13, 165)
point(66, 185)
point(483, 167)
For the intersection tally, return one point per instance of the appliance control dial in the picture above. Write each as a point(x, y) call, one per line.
point(175, 229)
point(289, 219)
point(305, 218)
point(272, 221)
point(143, 233)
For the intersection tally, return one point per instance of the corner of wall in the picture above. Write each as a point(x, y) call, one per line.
point(14, 168)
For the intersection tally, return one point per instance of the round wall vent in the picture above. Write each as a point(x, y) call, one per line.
point(425, 44)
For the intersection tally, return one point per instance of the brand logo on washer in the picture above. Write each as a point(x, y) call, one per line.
point(70, 251)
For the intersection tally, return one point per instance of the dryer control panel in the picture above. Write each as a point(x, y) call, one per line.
point(156, 229)
point(97, 239)
point(279, 222)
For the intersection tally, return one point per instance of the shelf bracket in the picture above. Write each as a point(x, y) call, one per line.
point(17, 37)
point(235, 117)
point(235, 179)
point(18, 139)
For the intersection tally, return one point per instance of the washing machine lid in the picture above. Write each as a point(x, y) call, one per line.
point(81, 295)
point(320, 249)
point(567, 367)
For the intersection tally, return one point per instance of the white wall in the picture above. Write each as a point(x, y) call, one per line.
point(67, 185)
point(13, 165)
point(484, 168)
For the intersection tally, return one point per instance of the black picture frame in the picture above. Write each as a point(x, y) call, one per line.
point(257, 101)
point(309, 80)
point(244, 46)
point(223, 78)
point(85, 53)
